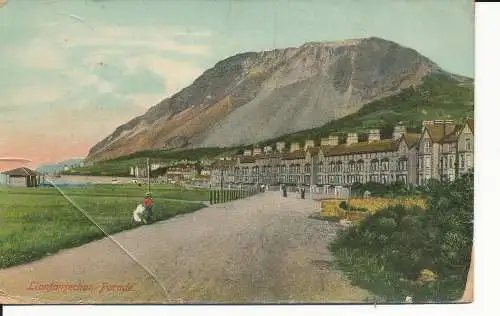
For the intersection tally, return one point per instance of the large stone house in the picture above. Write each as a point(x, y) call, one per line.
point(405, 157)
point(376, 160)
point(445, 150)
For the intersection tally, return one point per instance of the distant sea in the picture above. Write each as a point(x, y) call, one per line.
point(65, 183)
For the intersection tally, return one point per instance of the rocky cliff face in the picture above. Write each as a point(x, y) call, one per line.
point(252, 96)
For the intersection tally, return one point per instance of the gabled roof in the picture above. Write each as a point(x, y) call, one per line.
point(412, 139)
point(21, 172)
point(247, 159)
point(439, 131)
point(267, 155)
point(314, 150)
point(452, 137)
point(458, 130)
point(298, 154)
point(470, 122)
point(223, 163)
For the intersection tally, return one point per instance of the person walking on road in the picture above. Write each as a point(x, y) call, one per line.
point(302, 193)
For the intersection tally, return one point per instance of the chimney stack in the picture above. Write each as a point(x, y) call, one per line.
point(294, 147)
point(257, 151)
point(333, 140)
point(352, 138)
point(399, 130)
point(449, 126)
point(280, 146)
point(374, 135)
point(308, 143)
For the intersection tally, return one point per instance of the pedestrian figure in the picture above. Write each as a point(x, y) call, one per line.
point(284, 191)
point(302, 193)
point(148, 205)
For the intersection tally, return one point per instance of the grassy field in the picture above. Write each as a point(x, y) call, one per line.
point(36, 222)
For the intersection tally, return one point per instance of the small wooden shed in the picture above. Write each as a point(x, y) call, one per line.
point(23, 177)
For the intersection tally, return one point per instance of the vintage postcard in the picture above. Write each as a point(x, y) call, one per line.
point(236, 152)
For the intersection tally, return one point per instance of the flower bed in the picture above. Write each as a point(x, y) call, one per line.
point(331, 207)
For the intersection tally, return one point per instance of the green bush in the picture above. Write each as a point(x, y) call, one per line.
point(388, 250)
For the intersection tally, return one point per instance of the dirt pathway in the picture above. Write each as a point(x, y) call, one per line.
point(263, 249)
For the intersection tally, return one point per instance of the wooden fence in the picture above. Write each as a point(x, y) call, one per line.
point(226, 195)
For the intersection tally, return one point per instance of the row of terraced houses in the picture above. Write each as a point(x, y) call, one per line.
point(442, 150)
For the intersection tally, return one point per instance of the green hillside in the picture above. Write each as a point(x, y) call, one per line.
point(439, 97)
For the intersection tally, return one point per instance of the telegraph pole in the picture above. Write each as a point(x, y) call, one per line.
point(221, 177)
point(149, 180)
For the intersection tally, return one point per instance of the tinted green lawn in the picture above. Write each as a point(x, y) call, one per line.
point(35, 222)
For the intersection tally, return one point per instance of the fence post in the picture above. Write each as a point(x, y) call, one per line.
point(211, 201)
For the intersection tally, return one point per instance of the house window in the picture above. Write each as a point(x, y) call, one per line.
point(385, 164)
point(462, 161)
point(427, 146)
point(385, 179)
point(307, 168)
point(468, 144)
point(403, 164)
point(427, 162)
point(360, 165)
point(351, 167)
point(469, 161)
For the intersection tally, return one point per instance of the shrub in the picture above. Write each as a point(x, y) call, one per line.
point(403, 249)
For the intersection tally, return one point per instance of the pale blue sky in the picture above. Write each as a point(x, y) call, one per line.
point(97, 64)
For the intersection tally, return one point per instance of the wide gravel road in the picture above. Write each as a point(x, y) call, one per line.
point(264, 249)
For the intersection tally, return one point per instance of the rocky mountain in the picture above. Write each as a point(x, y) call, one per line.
point(254, 96)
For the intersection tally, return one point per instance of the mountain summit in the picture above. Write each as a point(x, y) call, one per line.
point(254, 96)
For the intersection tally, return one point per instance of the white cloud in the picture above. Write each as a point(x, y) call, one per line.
point(149, 39)
point(27, 95)
point(79, 77)
point(176, 74)
point(39, 54)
